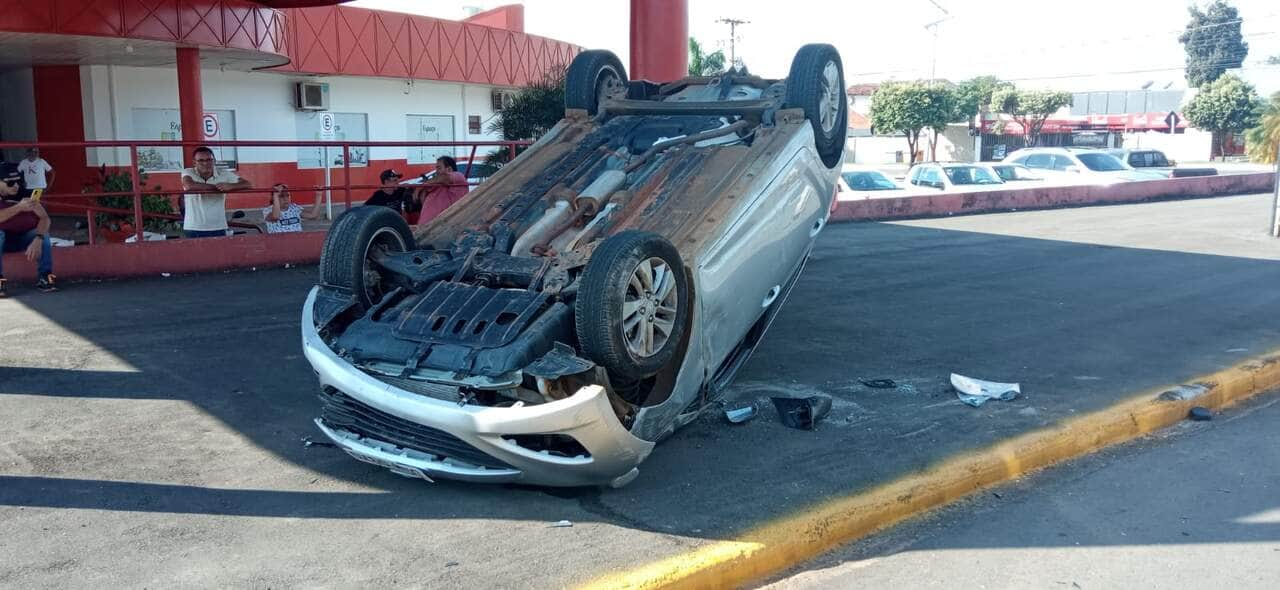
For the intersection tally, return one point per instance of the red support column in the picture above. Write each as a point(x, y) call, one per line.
point(659, 40)
point(190, 98)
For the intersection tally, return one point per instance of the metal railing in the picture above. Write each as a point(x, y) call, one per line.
point(65, 200)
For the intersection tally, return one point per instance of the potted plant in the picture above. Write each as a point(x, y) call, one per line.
point(117, 227)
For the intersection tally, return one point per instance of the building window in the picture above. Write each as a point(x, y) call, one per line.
point(346, 127)
point(428, 128)
point(166, 125)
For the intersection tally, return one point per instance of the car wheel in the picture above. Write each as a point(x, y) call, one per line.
point(816, 84)
point(632, 305)
point(593, 76)
point(346, 261)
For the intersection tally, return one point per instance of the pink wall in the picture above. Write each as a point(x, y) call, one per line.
point(941, 205)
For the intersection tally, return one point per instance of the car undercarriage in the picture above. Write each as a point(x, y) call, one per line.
point(590, 297)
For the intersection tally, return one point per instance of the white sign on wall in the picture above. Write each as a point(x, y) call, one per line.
point(428, 128)
point(209, 124)
point(328, 127)
point(166, 125)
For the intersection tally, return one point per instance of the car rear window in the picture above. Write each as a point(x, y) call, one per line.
point(1147, 160)
point(1039, 161)
point(1101, 162)
point(868, 181)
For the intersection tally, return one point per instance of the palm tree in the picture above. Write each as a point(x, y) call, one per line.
point(1264, 139)
point(704, 64)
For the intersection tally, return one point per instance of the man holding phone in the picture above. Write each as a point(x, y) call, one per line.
point(24, 227)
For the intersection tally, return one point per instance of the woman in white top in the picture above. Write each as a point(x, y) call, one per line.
point(285, 216)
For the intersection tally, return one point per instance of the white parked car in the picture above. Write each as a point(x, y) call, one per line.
point(864, 182)
point(1088, 166)
point(953, 177)
point(1016, 173)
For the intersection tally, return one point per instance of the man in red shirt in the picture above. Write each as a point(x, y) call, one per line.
point(446, 187)
point(24, 227)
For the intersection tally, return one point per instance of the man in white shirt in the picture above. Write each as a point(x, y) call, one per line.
point(36, 172)
point(205, 215)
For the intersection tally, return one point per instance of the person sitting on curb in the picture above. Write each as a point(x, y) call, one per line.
point(285, 216)
point(205, 214)
point(24, 227)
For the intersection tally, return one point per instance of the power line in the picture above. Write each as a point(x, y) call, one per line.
point(733, 37)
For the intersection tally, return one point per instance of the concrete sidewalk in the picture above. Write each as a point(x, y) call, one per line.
point(1194, 507)
point(156, 425)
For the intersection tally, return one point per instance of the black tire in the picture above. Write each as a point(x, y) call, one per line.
point(606, 286)
point(593, 74)
point(809, 87)
point(344, 258)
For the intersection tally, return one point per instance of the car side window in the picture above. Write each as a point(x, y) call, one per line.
point(932, 177)
point(1062, 163)
point(1043, 161)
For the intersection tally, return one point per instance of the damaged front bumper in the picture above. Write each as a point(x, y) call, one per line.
point(426, 438)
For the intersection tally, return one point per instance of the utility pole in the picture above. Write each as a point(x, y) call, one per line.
point(933, 65)
point(733, 37)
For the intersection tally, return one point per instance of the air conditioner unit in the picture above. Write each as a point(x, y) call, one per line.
point(501, 99)
point(312, 96)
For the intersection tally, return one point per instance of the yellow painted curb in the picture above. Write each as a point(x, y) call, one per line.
point(786, 542)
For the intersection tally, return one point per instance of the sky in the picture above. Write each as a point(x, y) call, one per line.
point(1079, 45)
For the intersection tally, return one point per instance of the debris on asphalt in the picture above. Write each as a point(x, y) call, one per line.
point(976, 392)
point(1200, 414)
point(165, 274)
point(307, 442)
point(879, 383)
point(564, 524)
point(742, 414)
point(804, 412)
point(452, 564)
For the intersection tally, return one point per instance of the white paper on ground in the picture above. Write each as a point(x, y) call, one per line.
point(976, 392)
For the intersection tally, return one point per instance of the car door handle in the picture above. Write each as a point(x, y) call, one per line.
point(772, 296)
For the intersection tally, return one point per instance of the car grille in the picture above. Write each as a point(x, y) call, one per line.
point(347, 413)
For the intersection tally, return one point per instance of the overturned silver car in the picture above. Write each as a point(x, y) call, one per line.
point(592, 296)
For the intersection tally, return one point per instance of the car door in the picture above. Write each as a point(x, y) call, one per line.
point(744, 271)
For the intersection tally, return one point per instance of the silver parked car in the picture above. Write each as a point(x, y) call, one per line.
point(592, 296)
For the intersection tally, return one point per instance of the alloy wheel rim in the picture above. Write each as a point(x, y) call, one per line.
point(649, 304)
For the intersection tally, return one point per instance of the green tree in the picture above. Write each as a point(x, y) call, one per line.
point(1030, 108)
point(1263, 140)
point(1226, 104)
point(704, 64)
point(908, 108)
point(973, 96)
point(1213, 42)
point(533, 111)
point(945, 109)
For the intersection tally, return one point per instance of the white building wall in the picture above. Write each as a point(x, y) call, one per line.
point(263, 106)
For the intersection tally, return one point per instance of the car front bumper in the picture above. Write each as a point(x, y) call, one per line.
point(586, 416)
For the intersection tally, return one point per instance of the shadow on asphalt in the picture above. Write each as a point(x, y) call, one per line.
point(1079, 325)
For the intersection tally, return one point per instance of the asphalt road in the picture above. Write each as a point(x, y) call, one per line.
point(153, 429)
point(1197, 506)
